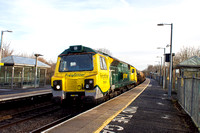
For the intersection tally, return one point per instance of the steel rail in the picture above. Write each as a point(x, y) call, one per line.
point(30, 114)
point(52, 124)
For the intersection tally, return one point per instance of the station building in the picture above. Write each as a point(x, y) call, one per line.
point(189, 67)
point(19, 72)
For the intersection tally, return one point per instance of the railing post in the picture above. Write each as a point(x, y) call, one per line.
point(45, 75)
point(184, 90)
point(179, 90)
point(192, 95)
point(22, 77)
point(198, 110)
point(12, 78)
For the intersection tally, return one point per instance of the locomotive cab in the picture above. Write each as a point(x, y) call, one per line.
point(80, 73)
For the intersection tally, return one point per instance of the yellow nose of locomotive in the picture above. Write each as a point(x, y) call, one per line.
point(74, 82)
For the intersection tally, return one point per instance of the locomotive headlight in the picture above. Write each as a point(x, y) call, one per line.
point(89, 84)
point(90, 81)
point(57, 85)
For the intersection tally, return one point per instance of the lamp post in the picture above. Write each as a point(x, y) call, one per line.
point(156, 68)
point(160, 67)
point(36, 59)
point(170, 71)
point(163, 68)
point(2, 41)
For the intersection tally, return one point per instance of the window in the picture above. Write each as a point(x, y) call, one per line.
point(103, 65)
point(133, 71)
point(82, 62)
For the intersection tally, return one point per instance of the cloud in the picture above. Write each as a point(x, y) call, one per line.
point(126, 27)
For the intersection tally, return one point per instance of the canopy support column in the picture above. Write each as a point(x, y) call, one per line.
point(12, 79)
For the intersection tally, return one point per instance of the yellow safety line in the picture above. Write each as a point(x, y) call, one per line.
point(113, 116)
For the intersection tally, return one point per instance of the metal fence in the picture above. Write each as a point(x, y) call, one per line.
point(188, 93)
point(189, 97)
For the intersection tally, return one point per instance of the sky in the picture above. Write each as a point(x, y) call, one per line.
point(128, 28)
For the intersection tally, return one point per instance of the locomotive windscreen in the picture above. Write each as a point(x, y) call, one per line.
point(82, 62)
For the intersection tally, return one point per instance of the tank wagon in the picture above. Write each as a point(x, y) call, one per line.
point(90, 76)
point(140, 77)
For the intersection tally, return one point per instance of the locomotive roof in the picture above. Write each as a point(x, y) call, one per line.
point(77, 49)
point(83, 49)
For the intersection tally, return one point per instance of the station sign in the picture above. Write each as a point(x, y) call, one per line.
point(167, 57)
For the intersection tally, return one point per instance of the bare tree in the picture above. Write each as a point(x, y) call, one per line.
point(50, 71)
point(25, 55)
point(185, 53)
point(6, 50)
point(104, 50)
point(151, 69)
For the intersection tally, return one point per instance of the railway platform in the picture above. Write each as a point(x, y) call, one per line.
point(15, 94)
point(152, 111)
point(145, 108)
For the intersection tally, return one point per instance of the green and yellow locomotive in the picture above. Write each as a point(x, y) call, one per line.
point(90, 75)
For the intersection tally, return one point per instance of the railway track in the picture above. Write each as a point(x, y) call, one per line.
point(40, 129)
point(18, 117)
point(41, 117)
point(56, 122)
point(37, 119)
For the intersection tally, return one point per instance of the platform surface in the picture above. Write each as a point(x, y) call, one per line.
point(153, 112)
point(12, 94)
point(100, 116)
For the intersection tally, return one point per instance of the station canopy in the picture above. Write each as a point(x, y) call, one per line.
point(22, 61)
point(190, 67)
point(193, 62)
point(20, 72)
